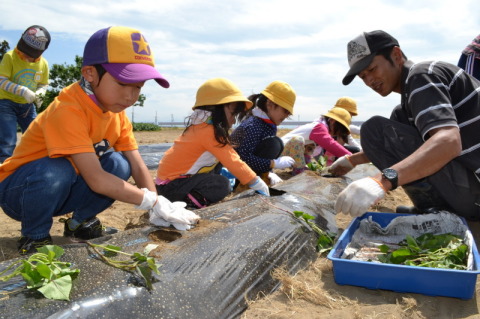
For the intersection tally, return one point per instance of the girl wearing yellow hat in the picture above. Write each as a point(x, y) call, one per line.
point(350, 105)
point(188, 171)
point(255, 139)
point(326, 134)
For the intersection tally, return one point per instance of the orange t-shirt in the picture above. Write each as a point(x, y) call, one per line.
point(196, 152)
point(72, 124)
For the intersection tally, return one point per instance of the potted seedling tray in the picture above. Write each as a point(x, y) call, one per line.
point(402, 278)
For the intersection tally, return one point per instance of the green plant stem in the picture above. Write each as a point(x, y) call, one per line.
point(315, 228)
point(108, 260)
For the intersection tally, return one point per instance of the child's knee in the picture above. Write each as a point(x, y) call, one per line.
point(116, 164)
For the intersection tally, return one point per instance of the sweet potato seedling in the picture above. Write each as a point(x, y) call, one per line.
point(428, 250)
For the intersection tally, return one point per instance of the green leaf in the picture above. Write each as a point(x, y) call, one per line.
point(33, 279)
point(146, 274)
point(298, 213)
point(384, 248)
point(307, 217)
point(44, 271)
point(153, 266)
point(111, 250)
point(139, 257)
point(52, 250)
point(58, 289)
point(411, 241)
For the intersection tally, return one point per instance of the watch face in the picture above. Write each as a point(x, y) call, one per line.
point(389, 173)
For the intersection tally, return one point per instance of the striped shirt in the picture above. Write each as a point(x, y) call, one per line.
point(473, 47)
point(439, 94)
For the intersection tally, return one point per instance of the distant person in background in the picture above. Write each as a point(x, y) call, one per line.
point(470, 58)
point(327, 134)
point(255, 139)
point(190, 171)
point(23, 82)
point(350, 105)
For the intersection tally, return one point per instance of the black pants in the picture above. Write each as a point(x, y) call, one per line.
point(207, 188)
point(387, 141)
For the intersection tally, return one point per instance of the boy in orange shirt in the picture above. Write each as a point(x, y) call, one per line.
point(62, 165)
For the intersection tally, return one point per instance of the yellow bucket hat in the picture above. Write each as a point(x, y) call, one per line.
point(348, 104)
point(340, 115)
point(281, 93)
point(219, 91)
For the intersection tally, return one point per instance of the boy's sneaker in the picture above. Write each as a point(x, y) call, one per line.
point(89, 229)
point(27, 245)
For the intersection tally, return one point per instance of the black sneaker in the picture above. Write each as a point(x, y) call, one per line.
point(89, 229)
point(27, 245)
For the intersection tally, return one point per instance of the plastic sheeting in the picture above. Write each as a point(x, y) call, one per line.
point(206, 272)
point(152, 154)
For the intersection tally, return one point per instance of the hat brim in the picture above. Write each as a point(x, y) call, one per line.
point(135, 72)
point(338, 119)
point(224, 100)
point(357, 68)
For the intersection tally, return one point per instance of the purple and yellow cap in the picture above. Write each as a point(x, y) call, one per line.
point(124, 53)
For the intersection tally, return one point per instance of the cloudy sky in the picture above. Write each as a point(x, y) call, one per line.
point(252, 43)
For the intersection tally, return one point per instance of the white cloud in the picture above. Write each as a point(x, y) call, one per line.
point(254, 42)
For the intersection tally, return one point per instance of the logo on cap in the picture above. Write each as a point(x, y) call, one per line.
point(36, 38)
point(357, 49)
point(140, 45)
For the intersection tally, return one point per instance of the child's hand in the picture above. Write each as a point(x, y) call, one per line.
point(28, 95)
point(274, 179)
point(283, 162)
point(260, 186)
point(165, 213)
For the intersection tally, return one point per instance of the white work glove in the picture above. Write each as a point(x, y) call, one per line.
point(28, 95)
point(260, 186)
point(159, 221)
point(341, 166)
point(39, 95)
point(163, 212)
point(274, 179)
point(283, 162)
point(357, 197)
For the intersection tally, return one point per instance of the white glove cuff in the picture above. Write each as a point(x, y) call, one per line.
point(349, 163)
point(376, 187)
point(149, 200)
point(41, 91)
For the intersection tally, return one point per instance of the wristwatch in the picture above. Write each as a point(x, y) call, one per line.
point(392, 176)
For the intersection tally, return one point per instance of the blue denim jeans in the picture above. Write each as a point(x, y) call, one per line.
point(48, 187)
point(12, 113)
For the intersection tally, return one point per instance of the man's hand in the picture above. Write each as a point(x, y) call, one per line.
point(341, 166)
point(359, 196)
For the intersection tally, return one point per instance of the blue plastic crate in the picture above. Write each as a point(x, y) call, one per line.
point(400, 278)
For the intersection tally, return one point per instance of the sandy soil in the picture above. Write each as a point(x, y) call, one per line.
point(311, 293)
